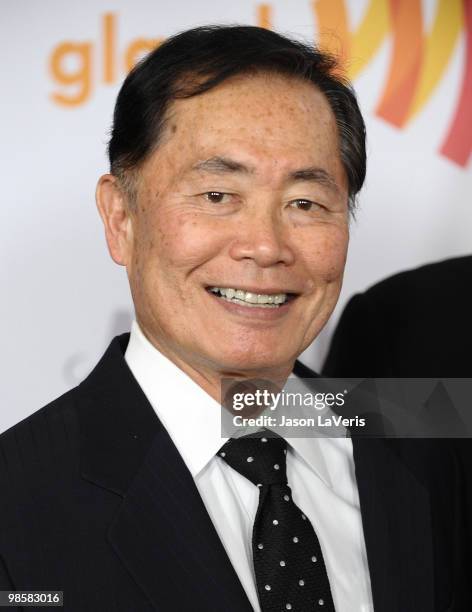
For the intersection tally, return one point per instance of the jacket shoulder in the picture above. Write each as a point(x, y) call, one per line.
point(40, 441)
point(48, 438)
point(429, 278)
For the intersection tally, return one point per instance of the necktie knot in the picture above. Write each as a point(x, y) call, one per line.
point(259, 457)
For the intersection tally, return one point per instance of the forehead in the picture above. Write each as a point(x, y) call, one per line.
point(268, 120)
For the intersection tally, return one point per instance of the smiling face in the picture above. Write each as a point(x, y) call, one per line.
point(246, 193)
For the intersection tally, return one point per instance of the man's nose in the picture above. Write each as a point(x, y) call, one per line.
point(262, 237)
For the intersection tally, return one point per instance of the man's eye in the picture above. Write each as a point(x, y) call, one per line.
point(217, 197)
point(305, 205)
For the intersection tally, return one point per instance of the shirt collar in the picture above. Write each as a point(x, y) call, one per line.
point(311, 451)
point(191, 416)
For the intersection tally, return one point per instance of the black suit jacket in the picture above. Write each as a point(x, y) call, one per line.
point(416, 324)
point(97, 502)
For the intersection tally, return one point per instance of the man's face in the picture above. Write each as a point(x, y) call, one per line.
point(246, 193)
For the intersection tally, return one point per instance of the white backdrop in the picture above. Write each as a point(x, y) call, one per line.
point(62, 64)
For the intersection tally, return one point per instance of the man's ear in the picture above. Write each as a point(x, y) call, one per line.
point(114, 211)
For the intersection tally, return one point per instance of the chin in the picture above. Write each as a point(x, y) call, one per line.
point(249, 361)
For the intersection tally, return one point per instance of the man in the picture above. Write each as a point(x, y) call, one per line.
point(235, 157)
point(415, 324)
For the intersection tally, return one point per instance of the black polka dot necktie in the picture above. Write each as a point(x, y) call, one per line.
point(288, 564)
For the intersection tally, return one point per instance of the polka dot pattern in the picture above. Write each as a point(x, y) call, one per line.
point(288, 562)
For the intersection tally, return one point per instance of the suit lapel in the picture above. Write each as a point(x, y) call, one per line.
point(396, 519)
point(162, 532)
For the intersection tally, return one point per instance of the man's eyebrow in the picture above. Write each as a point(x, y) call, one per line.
point(226, 165)
point(221, 165)
point(316, 175)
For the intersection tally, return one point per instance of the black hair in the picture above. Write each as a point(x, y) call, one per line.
point(194, 61)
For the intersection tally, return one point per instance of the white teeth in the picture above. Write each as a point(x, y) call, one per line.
point(250, 298)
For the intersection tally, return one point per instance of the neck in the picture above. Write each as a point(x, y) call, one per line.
point(210, 377)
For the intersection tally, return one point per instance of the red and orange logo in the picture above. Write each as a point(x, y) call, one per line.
point(418, 61)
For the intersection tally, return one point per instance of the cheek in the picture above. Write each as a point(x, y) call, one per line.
point(325, 257)
point(189, 241)
point(184, 244)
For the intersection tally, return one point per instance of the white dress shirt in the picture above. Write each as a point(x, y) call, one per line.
point(320, 472)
